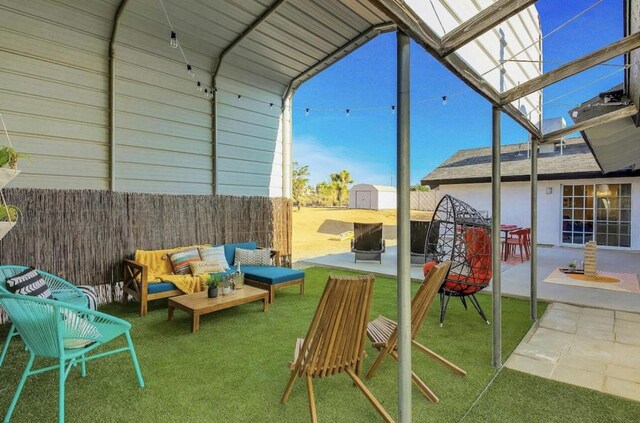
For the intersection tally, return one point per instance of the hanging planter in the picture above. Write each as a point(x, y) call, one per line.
point(8, 170)
point(7, 175)
point(5, 227)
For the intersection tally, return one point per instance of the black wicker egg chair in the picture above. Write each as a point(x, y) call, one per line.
point(459, 233)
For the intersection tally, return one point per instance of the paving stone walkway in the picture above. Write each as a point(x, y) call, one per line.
point(593, 348)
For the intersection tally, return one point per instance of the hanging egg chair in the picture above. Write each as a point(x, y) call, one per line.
point(459, 233)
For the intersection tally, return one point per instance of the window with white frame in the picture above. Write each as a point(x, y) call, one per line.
point(597, 211)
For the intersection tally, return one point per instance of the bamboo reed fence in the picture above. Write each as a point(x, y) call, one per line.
point(83, 235)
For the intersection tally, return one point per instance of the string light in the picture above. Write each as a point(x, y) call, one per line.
point(209, 92)
point(444, 100)
point(174, 40)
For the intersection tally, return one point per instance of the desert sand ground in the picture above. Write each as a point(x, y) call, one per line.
point(316, 230)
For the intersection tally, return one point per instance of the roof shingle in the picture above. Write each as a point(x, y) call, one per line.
point(474, 165)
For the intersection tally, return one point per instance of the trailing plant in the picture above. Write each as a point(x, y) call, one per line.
point(9, 156)
point(9, 213)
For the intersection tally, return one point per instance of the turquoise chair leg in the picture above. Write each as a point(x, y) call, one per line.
point(83, 366)
point(14, 401)
point(61, 391)
point(11, 334)
point(135, 359)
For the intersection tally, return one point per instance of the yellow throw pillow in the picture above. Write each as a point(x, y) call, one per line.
point(200, 267)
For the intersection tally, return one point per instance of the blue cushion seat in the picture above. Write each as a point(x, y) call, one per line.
point(271, 275)
point(158, 287)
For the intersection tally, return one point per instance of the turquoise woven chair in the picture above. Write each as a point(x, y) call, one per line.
point(62, 291)
point(46, 325)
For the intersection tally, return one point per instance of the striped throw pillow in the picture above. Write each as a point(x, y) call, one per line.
point(180, 261)
point(92, 297)
point(258, 257)
point(214, 254)
point(29, 282)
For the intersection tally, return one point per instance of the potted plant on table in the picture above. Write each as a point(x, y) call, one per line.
point(572, 266)
point(212, 282)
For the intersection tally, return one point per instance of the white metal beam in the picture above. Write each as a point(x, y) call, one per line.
point(590, 123)
point(420, 32)
point(112, 93)
point(602, 55)
point(483, 21)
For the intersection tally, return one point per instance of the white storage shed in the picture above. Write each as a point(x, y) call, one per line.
point(373, 197)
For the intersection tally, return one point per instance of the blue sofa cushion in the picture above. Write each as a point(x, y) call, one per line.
point(271, 275)
point(230, 250)
point(158, 287)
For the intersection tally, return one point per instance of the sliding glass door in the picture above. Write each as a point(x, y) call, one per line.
point(597, 211)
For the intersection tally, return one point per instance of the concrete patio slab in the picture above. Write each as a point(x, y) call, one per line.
point(516, 277)
point(593, 357)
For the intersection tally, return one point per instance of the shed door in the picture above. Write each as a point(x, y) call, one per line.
point(363, 199)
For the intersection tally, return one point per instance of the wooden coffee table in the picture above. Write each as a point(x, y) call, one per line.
point(198, 303)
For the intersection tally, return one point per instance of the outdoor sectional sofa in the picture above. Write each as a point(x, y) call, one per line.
point(137, 283)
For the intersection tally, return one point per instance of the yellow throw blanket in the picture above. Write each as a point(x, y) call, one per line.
point(159, 269)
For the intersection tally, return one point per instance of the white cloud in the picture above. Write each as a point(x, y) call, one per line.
point(323, 160)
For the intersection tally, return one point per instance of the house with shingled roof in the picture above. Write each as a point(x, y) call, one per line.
point(577, 202)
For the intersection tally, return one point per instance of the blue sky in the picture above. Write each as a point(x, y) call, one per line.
point(365, 142)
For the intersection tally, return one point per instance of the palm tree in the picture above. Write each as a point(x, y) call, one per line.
point(340, 181)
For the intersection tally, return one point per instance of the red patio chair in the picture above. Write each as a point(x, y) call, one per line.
point(518, 239)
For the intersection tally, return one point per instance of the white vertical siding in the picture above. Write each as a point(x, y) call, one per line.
point(163, 125)
point(249, 137)
point(54, 90)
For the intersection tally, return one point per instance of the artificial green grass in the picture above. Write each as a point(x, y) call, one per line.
point(520, 397)
point(235, 368)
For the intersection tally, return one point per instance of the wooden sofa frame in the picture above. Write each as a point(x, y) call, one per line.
point(136, 284)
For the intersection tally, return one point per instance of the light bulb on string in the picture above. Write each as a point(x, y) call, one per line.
point(211, 91)
point(306, 111)
point(206, 93)
point(348, 112)
point(239, 98)
point(174, 40)
point(199, 86)
point(393, 110)
point(444, 100)
point(271, 105)
point(190, 71)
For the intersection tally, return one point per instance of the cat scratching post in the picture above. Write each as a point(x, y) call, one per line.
point(590, 260)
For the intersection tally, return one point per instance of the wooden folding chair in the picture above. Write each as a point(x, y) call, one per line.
point(335, 340)
point(384, 334)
